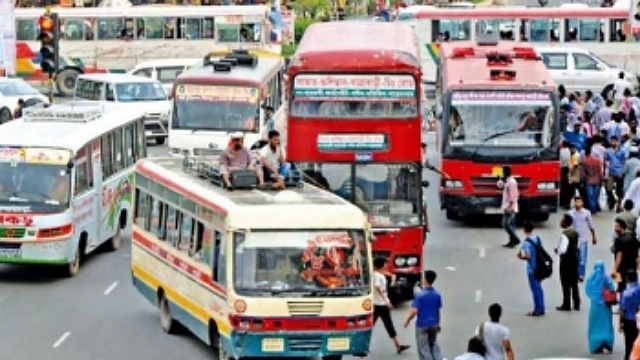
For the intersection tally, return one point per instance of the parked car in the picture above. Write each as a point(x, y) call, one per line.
point(12, 90)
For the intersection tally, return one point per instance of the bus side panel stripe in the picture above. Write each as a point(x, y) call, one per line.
point(182, 266)
point(194, 311)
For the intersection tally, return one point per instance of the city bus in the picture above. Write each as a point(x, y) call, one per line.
point(66, 177)
point(505, 112)
point(354, 127)
point(252, 273)
point(226, 94)
point(604, 31)
point(91, 38)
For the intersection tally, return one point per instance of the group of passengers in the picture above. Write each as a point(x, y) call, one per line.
point(268, 163)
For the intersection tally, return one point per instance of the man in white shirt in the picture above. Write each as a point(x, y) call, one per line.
point(475, 350)
point(382, 305)
point(272, 158)
point(619, 86)
point(495, 336)
point(633, 193)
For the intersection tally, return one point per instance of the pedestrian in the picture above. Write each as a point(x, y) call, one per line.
point(575, 171)
point(635, 352)
point(625, 250)
point(615, 158)
point(600, 329)
point(593, 170)
point(633, 193)
point(475, 350)
point(628, 215)
point(583, 223)
point(565, 194)
point(529, 254)
point(17, 113)
point(568, 251)
point(382, 306)
point(629, 302)
point(495, 336)
point(426, 307)
point(510, 197)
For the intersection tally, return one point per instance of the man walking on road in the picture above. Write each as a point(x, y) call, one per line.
point(629, 302)
point(495, 336)
point(426, 306)
point(510, 197)
point(568, 251)
point(529, 253)
point(381, 304)
point(583, 223)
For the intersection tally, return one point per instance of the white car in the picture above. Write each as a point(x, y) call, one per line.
point(12, 90)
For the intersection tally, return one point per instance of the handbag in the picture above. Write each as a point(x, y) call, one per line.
point(610, 296)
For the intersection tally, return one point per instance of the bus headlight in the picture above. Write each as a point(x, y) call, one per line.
point(546, 185)
point(399, 261)
point(454, 184)
point(412, 260)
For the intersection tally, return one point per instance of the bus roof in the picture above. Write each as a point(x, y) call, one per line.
point(37, 127)
point(117, 78)
point(460, 56)
point(346, 43)
point(526, 13)
point(307, 207)
point(239, 75)
point(152, 11)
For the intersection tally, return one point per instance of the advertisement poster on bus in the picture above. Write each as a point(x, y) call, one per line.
point(7, 38)
point(634, 19)
point(210, 93)
point(288, 25)
point(354, 87)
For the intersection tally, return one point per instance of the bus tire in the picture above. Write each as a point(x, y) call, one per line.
point(169, 325)
point(214, 336)
point(73, 267)
point(5, 115)
point(451, 215)
point(116, 240)
point(66, 81)
point(160, 140)
point(332, 357)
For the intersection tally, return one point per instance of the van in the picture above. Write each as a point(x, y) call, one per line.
point(581, 70)
point(124, 91)
point(165, 70)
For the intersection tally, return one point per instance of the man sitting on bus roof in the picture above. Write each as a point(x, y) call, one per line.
point(238, 157)
point(272, 159)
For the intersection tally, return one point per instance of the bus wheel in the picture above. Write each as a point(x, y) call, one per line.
point(116, 239)
point(332, 357)
point(451, 215)
point(222, 353)
point(160, 140)
point(5, 115)
point(74, 266)
point(166, 320)
point(66, 81)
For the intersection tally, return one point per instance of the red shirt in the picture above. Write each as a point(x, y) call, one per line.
point(592, 169)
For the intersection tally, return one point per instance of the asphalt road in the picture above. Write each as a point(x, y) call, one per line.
point(99, 315)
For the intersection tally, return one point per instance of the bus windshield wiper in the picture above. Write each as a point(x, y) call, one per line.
point(491, 137)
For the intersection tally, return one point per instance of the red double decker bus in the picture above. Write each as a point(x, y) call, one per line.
point(354, 128)
point(504, 112)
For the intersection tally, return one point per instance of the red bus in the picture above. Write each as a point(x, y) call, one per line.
point(354, 127)
point(504, 112)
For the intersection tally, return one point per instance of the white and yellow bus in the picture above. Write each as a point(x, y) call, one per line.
point(66, 177)
point(250, 272)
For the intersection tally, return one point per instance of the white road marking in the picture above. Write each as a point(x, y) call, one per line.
point(110, 288)
point(61, 339)
point(478, 296)
point(450, 268)
point(483, 252)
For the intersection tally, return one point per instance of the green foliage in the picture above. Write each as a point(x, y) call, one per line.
point(313, 7)
point(288, 50)
point(301, 25)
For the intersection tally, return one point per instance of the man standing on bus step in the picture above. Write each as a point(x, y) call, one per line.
point(237, 157)
point(426, 306)
point(510, 197)
point(382, 305)
point(272, 160)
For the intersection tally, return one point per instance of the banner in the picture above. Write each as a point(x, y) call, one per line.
point(15, 155)
point(215, 93)
point(354, 87)
point(508, 97)
point(7, 37)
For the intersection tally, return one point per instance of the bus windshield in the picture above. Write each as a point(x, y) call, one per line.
point(306, 263)
point(500, 119)
point(389, 193)
point(216, 108)
point(43, 187)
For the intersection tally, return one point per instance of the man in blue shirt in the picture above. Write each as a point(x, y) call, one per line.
point(629, 302)
point(576, 136)
point(528, 253)
point(615, 157)
point(426, 306)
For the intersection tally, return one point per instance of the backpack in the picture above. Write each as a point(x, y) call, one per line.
point(544, 263)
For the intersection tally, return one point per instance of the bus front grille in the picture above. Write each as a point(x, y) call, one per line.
point(489, 183)
point(304, 344)
point(297, 308)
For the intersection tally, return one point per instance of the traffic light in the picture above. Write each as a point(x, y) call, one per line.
point(49, 36)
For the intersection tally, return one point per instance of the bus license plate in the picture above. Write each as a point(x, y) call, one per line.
point(10, 253)
point(338, 344)
point(273, 345)
point(493, 211)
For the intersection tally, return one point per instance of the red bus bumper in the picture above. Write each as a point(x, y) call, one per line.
point(470, 204)
point(403, 250)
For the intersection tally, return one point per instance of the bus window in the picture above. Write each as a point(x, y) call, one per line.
point(118, 163)
point(192, 29)
point(217, 261)
point(129, 141)
point(73, 29)
point(153, 28)
point(449, 30)
point(109, 29)
point(107, 158)
point(26, 30)
point(156, 222)
point(195, 246)
point(220, 252)
point(207, 28)
point(186, 233)
point(206, 254)
point(172, 226)
point(141, 149)
point(141, 209)
point(81, 169)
